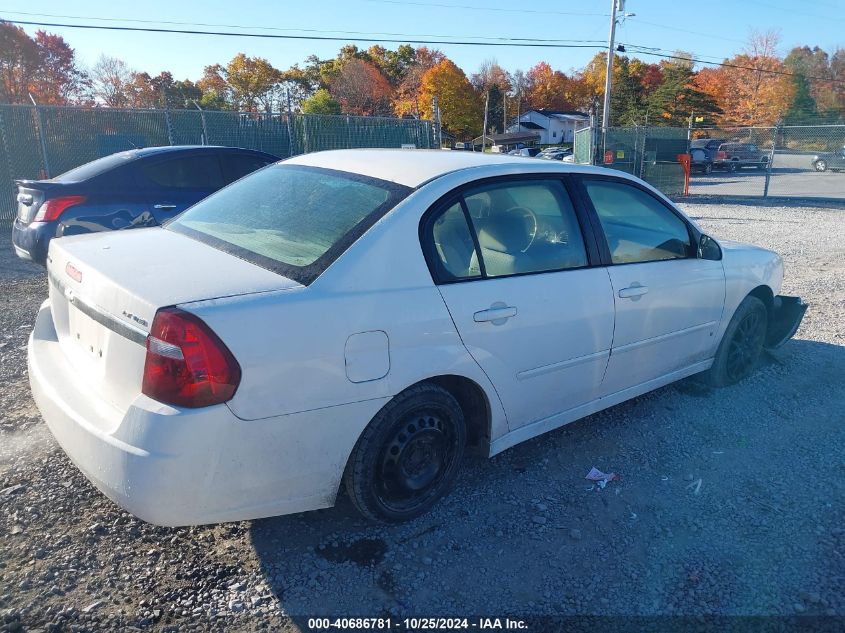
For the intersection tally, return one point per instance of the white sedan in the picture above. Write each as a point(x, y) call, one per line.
point(358, 318)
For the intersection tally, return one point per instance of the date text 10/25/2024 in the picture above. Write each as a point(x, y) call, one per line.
point(416, 624)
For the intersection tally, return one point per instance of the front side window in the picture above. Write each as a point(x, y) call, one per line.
point(519, 227)
point(186, 172)
point(292, 219)
point(638, 227)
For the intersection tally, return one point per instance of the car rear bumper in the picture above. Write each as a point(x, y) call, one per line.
point(32, 240)
point(173, 466)
point(784, 320)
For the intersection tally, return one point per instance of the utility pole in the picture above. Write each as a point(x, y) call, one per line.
point(620, 5)
point(484, 129)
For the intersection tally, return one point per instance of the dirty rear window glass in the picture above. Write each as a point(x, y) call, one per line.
point(95, 167)
point(292, 219)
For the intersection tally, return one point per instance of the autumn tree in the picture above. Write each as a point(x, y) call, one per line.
point(406, 97)
point(57, 80)
point(18, 61)
point(321, 102)
point(362, 89)
point(750, 89)
point(111, 81)
point(677, 98)
point(491, 79)
point(459, 107)
point(548, 89)
point(817, 95)
point(253, 82)
point(216, 92)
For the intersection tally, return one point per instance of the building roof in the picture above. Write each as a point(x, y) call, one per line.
point(530, 125)
point(508, 138)
point(413, 167)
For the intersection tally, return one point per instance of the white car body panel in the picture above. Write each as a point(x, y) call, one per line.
point(319, 361)
point(551, 355)
point(670, 326)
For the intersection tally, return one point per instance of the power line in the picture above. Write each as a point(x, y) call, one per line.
point(477, 8)
point(138, 29)
point(275, 28)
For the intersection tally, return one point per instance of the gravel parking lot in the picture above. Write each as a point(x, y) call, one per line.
point(730, 501)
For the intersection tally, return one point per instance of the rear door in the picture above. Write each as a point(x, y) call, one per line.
point(172, 184)
point(668, 302)
point(514, 269)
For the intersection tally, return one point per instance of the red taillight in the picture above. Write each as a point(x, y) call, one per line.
point(721, 155)
point(187, 364)
point(52, 209)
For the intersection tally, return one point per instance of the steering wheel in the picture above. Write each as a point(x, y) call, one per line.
point(530, 220)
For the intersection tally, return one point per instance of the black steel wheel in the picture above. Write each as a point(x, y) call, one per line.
point(409, 455)
point(741, 345)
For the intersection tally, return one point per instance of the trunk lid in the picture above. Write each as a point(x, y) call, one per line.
point(33, 193)
point(105, 289)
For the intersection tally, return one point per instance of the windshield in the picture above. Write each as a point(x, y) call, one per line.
point(292, 219)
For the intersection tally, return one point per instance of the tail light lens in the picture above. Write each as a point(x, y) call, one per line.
point(187, 364)
point(721, 155)
point(52, 209)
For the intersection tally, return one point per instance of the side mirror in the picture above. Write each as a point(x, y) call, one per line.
point(708, 248)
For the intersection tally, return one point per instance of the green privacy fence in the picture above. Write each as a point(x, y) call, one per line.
point(44, 141)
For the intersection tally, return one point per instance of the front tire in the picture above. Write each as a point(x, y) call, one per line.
point(408, 457)
point(733, 166)
point(741, 345)
point(821, 165)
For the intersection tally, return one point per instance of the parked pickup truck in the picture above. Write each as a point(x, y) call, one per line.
point(716, 153)
point(733, 156)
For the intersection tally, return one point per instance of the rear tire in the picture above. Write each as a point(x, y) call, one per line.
point(408, 457)
point(821, 165)
point(741, 345)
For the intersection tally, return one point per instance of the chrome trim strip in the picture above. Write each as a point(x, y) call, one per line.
point(662, 337)
point(100, 316)
point(564, 364)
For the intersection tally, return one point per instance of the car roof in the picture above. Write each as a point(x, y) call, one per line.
point(414, 167)
point(174, 149)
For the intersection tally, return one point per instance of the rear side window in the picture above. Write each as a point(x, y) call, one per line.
point(186, 172)
point(516, 227)
point(96, 167)
point(292, 219)
point(638, 227)
point(236, 166)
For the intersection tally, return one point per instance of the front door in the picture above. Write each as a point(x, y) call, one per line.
point(668, 302)
point(530, 309)
point(175, 183)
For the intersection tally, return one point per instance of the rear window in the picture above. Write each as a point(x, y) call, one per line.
point(292, 219)
point(95, 167)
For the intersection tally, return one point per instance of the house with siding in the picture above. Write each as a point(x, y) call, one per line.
point(553, 126)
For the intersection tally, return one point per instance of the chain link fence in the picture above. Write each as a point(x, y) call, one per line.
point(45, 141)
point(783, 161)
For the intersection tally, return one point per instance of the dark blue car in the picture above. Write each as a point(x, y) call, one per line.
point(137, 188)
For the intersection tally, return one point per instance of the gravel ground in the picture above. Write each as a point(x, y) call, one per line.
point(730, 501)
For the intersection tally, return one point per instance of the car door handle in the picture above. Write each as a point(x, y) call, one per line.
point(633, 292)
point(496, 315)
point(164, 206)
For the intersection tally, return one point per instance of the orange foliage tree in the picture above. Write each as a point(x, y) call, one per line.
point(748, 89)
point(460, 110)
